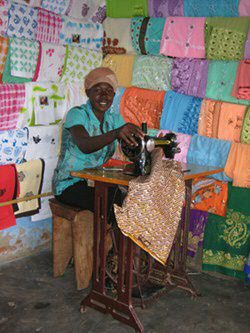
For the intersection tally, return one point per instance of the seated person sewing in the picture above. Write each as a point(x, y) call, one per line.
point(89, 138)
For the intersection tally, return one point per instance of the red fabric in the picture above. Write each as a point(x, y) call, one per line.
point(9, 190)
point(49, 26)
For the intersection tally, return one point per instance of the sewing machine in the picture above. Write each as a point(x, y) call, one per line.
point(141, 154)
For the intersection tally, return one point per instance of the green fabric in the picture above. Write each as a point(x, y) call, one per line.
point(227, 239)
point(7, 77)
point(126, 8)
point(245, 131)
point(225, 37)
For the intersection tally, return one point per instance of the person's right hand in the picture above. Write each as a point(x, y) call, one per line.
point(127, 133)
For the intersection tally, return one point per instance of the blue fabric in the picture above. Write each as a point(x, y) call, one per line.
point(153, 35)
point(209, 152)
point(211, 8)
point(180, 113)
point(71, 158)
point(115, 107)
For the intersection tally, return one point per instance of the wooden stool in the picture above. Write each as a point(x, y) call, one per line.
point(72, 236)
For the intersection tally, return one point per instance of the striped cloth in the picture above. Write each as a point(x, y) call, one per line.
point(49, 27)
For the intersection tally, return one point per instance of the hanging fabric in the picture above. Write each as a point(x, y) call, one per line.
point(241, 88)
point(129, 8)
point(94, 10)
point(49, 27)
point(159, 8)
point(4, 9)
point(4, 45)
point(245, 132)
point(210, 8)
point(58, 6)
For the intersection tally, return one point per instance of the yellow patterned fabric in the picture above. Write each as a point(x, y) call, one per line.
point(151, 212)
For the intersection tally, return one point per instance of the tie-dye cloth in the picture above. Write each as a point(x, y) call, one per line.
point(181, 113)
point(94, 10)
point(227, 239)
point(189, 76)
point(52, 62)
point(210, 8)
point(23, 57)
point(13, 145)
point(12, 97)
point(238, 164)
point(117, 38)
point(209, 195)
point(49, 27)
point(152, 72)
point(225, 38)
point(244, 8)
point(81, 33)
point(210, 152)
point(4, 8)
point(241, 88)
point(4, 45)
point(79, 62)
point(122, 66)
point(58, 6)
point(221, 120)
point(183, 37)
point(128, 8)
point(220, 81)
point(23, 21)
point(142, 105)
point(247, 47)
point(159, 8)
point(245, 132)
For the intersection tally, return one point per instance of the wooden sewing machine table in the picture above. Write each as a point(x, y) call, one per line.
point(121, 304)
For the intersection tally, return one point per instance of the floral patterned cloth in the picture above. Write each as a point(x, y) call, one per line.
point(4, 45)
point(49, 26)
point(210, 8)
point(189, 76)
point(4, 8)
point(183, 37)
point(94, 10)
point(227, 239)
point(159, 8)
point(245, 132)
point(180, 113)
point(58, 6)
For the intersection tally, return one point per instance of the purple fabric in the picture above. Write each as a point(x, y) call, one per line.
point(189, 76)
point(247, 47)
point(198, 219)
point(164, 8)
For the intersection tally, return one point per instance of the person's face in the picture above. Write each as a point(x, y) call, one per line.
point(101, 96)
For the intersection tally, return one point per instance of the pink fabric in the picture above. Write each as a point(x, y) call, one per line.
point(241, 88)
point(184, 142)
point(244, 8)
point(4, 7)
point(12, 97)
point(49, 26)
point(183, 37)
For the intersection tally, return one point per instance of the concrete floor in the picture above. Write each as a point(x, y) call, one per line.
point(31, 300)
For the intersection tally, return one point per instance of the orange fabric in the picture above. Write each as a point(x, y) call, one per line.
point(238, 164)
point(4, 44)
point(209, 118)
point(241, 88)
point(209, 195)
point(142, 105)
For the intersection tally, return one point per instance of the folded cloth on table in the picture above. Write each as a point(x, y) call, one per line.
point(210, 8)
point(225, 37)
point(238, 164)
point(245, 131)
point(30, 176)
point(226, 241)
point(151, 212)
point(4, 9)
point(49, 27)
point(79, 62)
point(209, 195)
point(189, 76)
point(23, 21)
point(209, 152)
point(45, 103)
point(122, 66)
point(241, 88)
point(220, 81)
point(81, 33)
point(159, 8)
point(142, 105)
point(117, 38)
point(244, 8)
point(180, 113)
point(94, 10)
point(13, 145)
point(146, 33)
point(183, 37)
point(4, 45)
point(52, 62)
point(12, 97)
point(129, 8)
point(9, 190)
point(152, 72)
point(58, 6)
point(221, 120)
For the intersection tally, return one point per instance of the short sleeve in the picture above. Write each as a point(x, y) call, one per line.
point(75, 117)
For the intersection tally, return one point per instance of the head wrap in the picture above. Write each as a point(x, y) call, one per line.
point(101, 75)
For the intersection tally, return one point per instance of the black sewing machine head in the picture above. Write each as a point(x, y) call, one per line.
point(141, 154)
